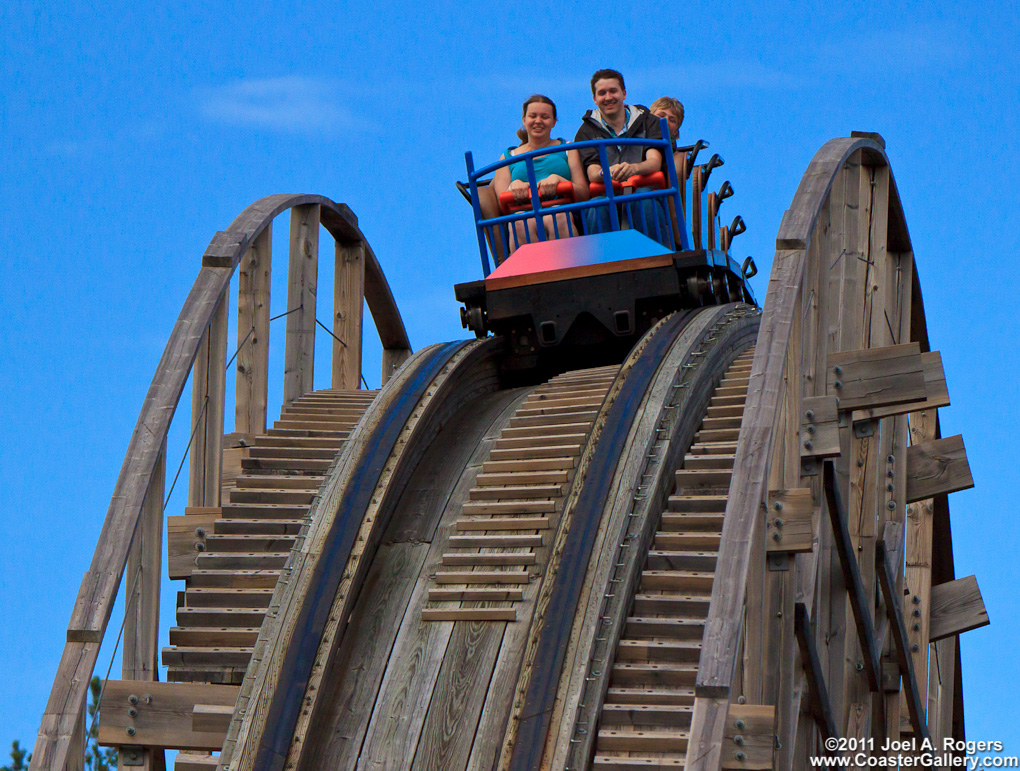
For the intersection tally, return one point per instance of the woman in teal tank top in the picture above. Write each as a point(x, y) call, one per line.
point(539, 118)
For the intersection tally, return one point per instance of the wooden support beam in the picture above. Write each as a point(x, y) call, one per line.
point(208, 385)
point(211, 718)
point(790, 523)
point(956, 607)
point(76, 752)
point(141, 612)
point(749, 741)
point(899, 632)
point(299, 356)
point(186, 539)
point(918, 549)
point(852, 578)
point(348, 302)
point(875, 377)
point(936, 390)
point(148, 714)
point(818, 694)
point(937, 468)
point(819, 427)
point(253, 294)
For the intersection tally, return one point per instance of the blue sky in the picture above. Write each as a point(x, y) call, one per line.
point(131, 133)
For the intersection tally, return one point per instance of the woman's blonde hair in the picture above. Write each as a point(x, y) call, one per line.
point(671, 104)
point(541, 99)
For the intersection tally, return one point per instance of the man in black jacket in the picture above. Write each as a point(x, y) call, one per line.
point(612, 117)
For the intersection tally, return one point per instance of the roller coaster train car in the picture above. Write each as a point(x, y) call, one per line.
point(586, 299)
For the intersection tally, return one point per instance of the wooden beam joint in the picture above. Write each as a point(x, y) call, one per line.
point(790, 525)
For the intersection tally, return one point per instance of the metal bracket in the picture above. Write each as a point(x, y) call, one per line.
point(779, 561)
point(130, 755)
point(863, 428)
point(809, 467)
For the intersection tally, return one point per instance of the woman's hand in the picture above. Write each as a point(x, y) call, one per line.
point(547, 186)
point(520, 190)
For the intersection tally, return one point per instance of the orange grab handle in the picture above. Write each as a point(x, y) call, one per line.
point(564, 194)
point(656, 180)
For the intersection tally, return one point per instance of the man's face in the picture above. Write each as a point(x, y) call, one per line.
point(609, 96)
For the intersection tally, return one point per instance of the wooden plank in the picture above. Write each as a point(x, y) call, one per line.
point(956, 607)
point(141, 627)
point(186, 536)
point(164, 714)
point(875, 377)
point(818, 694)
point(483, 577)
point(819, 427)
point(852, 576)
point(749, 737)
point(141, 614)
point(791, 521)
point(348, 302)
point(504, 523)
point(937, 467)
point(895, 612)
point(253, 296)
point(211, 718)
point(76, 756)
point(363, 658)
point(862, 467)
point(460, 691)
point(469, 614)
point(299, 356)
point(936, 390)
point(917, 547)
point(207, 391)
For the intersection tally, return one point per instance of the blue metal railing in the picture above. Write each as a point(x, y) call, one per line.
point(537, 213)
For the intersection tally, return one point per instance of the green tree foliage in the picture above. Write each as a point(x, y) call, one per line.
point(19, 759)
point(96, 757)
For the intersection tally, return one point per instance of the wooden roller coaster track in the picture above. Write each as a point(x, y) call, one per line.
point(717, 554)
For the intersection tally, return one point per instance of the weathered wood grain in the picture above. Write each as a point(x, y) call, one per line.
point(253, 297)
point(389, 599)
point(937, 467)
point(163, 713)
point(792, 524)
point(348, 299)
point(302, 282)
point(956, 607)
point(875, 377)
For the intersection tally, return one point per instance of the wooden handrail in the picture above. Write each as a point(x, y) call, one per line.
point(95, 601)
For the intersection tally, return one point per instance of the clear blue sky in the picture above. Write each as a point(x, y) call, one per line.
point(132, 132)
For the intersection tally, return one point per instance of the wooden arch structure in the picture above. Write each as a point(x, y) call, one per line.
point(718, 554)
point(131, 537)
